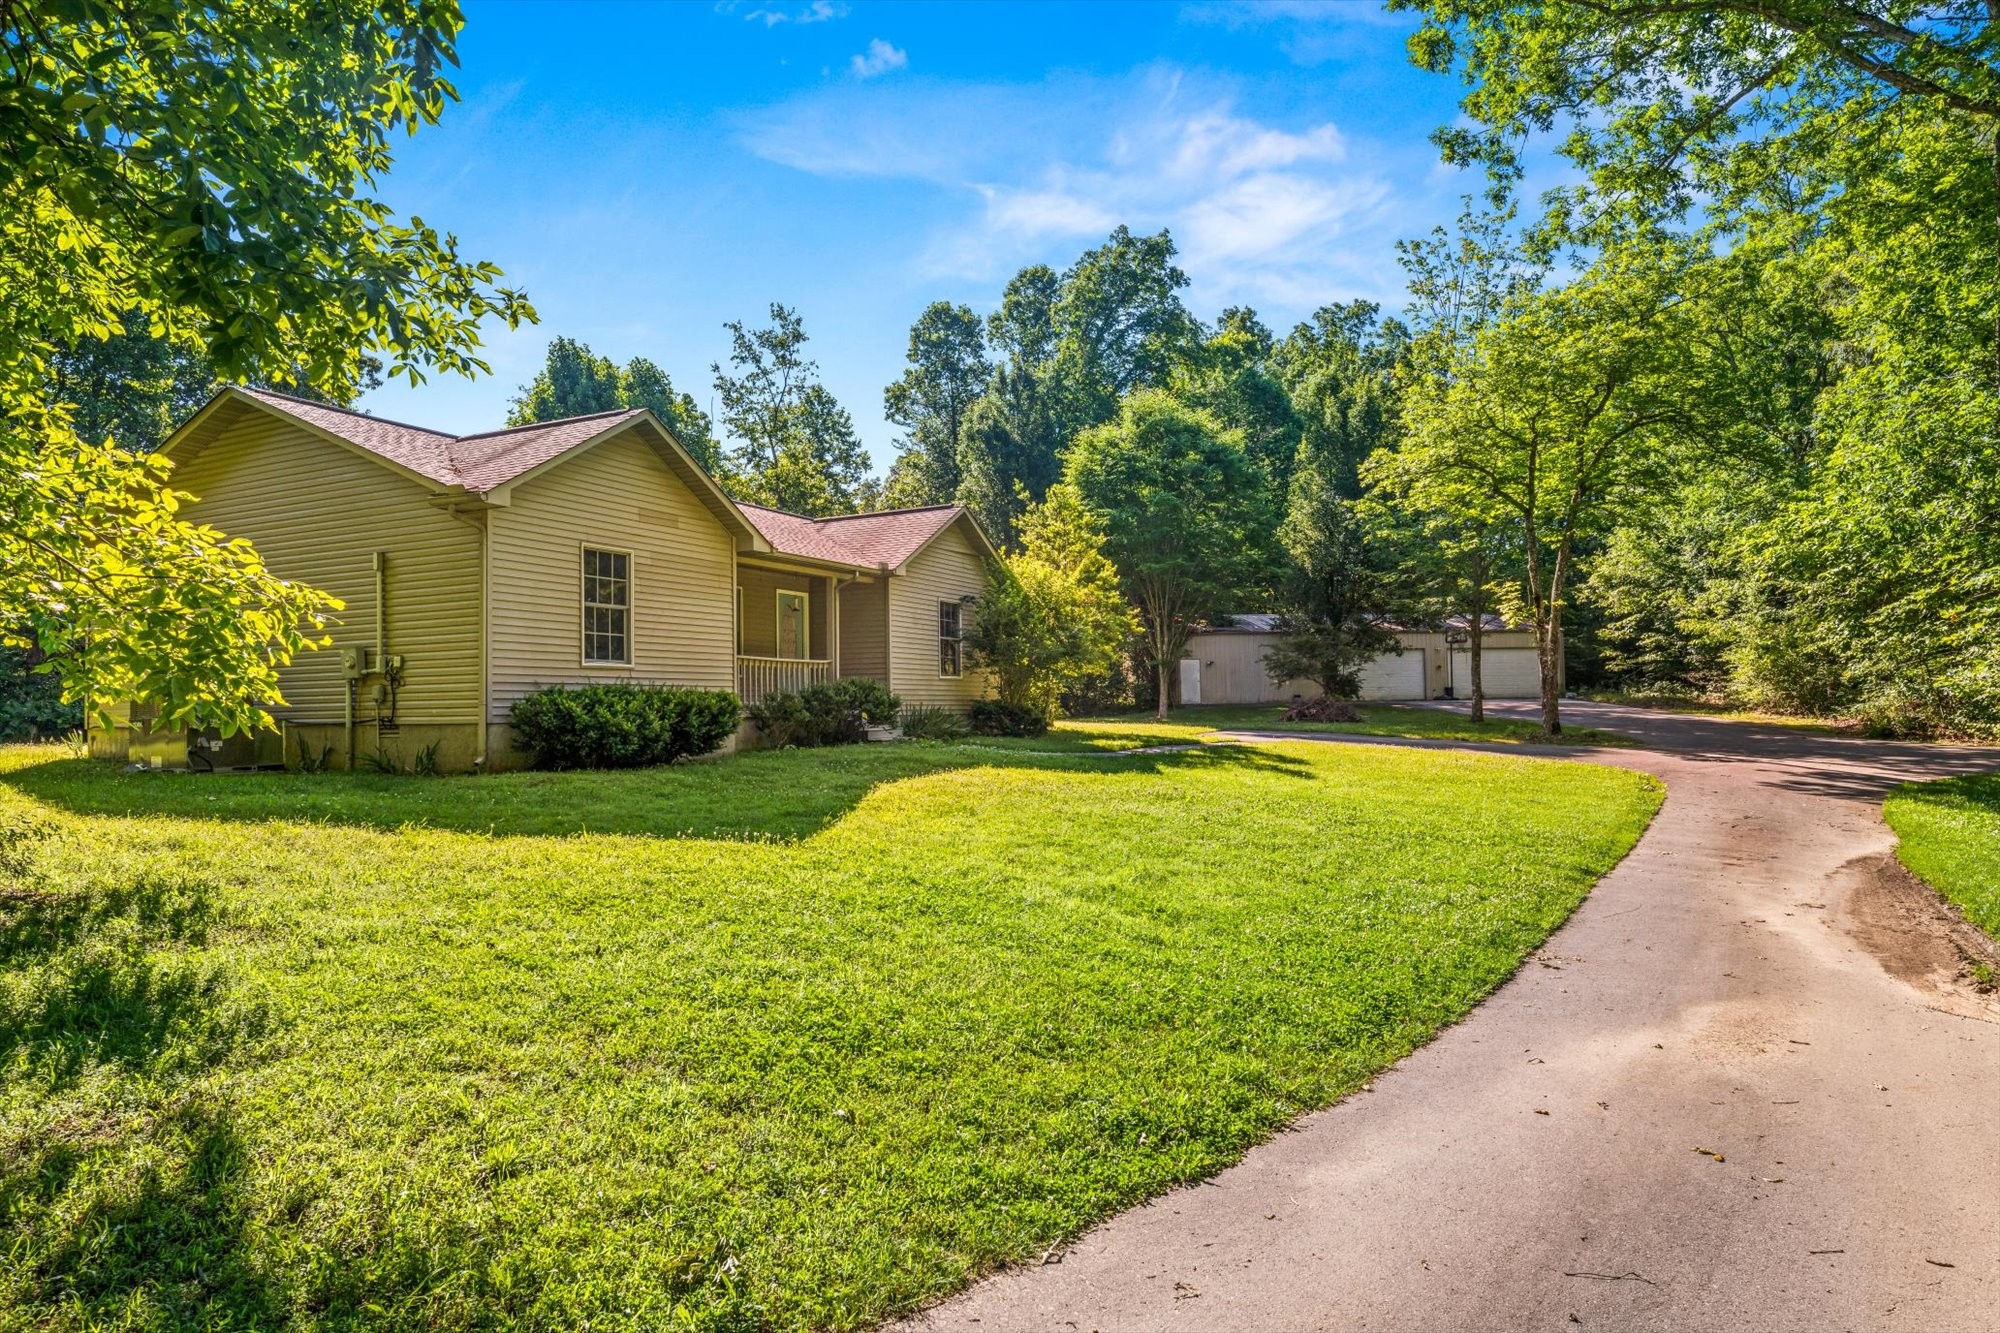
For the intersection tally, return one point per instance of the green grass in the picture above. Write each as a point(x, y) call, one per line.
point(1950, 838)
point(1376, 720)
point(789, 1040)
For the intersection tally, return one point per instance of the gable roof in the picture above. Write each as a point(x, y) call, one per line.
point(424, 452)
point(888, 539)
point(487, 464)
point(480, 463)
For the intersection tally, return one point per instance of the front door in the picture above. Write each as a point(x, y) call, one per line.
point(794, 631)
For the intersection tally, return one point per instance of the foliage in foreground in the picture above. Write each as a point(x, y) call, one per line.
point(622, 724)
point(1950, 838)
point(452, 1055)
point(151, 188)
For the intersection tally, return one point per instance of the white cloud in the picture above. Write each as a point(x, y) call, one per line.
point(1287, 215)
point(879, 58)
point(818, 11)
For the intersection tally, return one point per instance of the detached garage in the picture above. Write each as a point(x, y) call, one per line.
point(1225, 665)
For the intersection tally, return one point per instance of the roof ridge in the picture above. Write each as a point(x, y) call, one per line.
point(260, 390)
point(887, 513)
point(544, 425)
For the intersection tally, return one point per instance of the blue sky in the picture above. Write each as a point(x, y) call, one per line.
point(649, 172)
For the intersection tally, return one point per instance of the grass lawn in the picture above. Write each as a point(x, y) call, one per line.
point(790, 1040)
point(1950, 837)
point(1376, 720)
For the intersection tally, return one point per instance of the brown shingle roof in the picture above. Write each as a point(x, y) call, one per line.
point(425, 452)
point(477, 462)
point(869, 541)
point(498, 457)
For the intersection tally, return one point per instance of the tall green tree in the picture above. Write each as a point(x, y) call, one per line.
point(1071, 345)
point(1230, 376)
point(131, 389)
point(1339, 588)
point(1010, 449)
point(1672, 107)
point(948, 370)
point(1053, 615)
point(1023, 329)
point(576, 382)
point(1339, 372)
point(1185, 516)
point(1556, 413)
point(796, 448)
point(1119, 322)
point(204, 175)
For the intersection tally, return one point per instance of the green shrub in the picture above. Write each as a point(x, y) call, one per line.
point(830, 714)
point(31, 704)
point(781, 720)
point(935, 724)
point(622, 725)
point(991, 717)
point(868, 699)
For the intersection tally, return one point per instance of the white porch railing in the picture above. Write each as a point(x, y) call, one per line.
point(759, 676)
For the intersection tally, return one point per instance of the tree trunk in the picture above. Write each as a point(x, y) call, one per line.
point(1477, 631)
point(1160, 666)
point(1548, 651)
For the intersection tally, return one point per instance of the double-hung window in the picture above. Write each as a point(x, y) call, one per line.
point(951, 638)
point(607, 607)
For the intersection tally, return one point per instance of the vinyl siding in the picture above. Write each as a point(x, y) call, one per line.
point(317, 512)
point(864, 626)
point(760, 608)
point(620, 496)
point(946, 570)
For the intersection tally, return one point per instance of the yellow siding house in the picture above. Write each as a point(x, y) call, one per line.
point(476, 568)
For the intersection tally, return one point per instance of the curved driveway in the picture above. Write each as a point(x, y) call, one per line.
point(1747, 1086)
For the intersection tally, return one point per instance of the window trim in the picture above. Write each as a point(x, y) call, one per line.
point(584, 604)
point(956, 639)
point(778, 624)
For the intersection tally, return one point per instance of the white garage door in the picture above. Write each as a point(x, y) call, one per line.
point(1506, 673)
point(1393, 677)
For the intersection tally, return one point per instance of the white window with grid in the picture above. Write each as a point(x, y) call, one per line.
point(607, 607)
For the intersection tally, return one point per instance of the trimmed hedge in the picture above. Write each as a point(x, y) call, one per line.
point(990, 717)
point(622, 725)
point(830, 714)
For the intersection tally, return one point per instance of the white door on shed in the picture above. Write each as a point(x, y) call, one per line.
point(1393, 677)
point(1505, 673)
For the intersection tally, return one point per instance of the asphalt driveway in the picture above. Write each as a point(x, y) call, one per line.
point(1749, 1085)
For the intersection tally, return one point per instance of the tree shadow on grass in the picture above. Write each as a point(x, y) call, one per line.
point(785, 795)
point(122, 1174)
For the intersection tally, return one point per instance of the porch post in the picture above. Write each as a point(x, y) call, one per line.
point(833, 625)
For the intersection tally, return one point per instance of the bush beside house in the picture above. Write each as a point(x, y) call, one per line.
point(622, 725)
point(836, 713)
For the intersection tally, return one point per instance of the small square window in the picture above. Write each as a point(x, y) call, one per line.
point(607, 607)
point(951, 638)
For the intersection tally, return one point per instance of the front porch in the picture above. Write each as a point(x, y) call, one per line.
point(797, 627)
